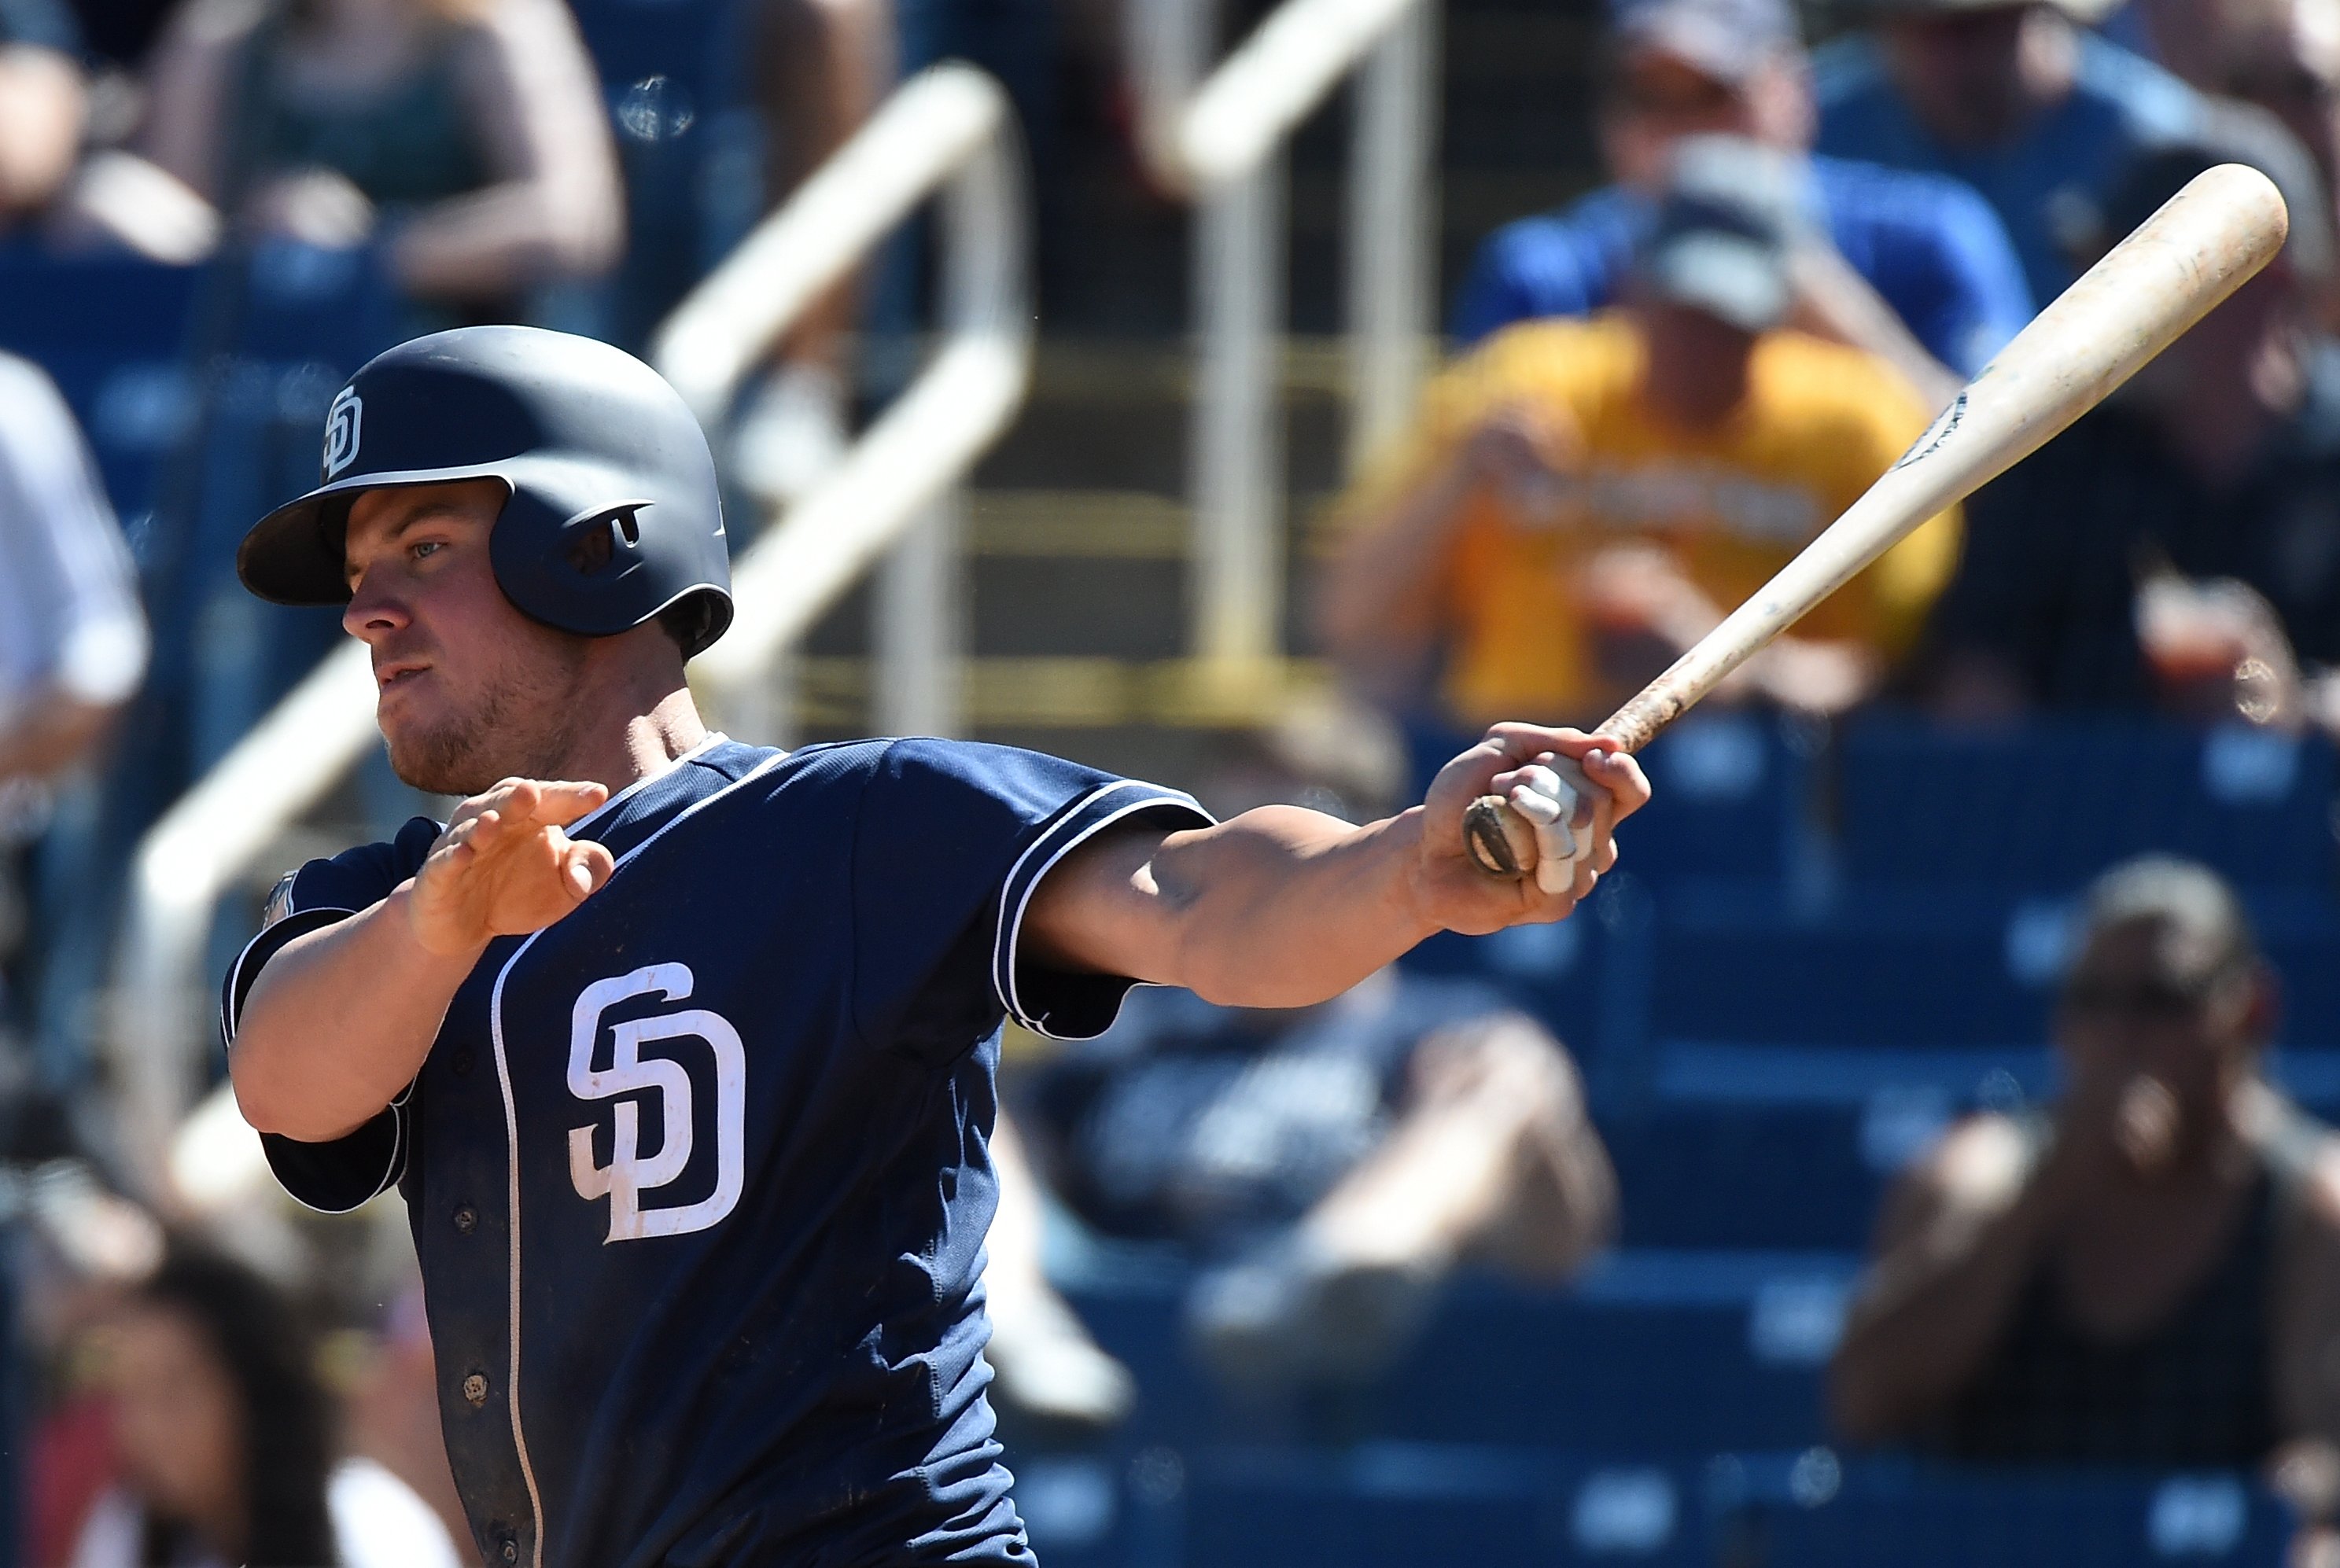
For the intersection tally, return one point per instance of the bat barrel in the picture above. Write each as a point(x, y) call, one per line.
point(2147, 290)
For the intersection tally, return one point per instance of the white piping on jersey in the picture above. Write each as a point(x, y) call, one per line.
point(714, 738)
point(231, 1017)
point(512, 1115)
point(1010, 934)
point(231, 1004)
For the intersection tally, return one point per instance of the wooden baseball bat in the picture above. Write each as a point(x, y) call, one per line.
point(2224, 226)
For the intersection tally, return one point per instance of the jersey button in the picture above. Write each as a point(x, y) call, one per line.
point(461, 1061)
point(467, 1219)
point(475, 1389)
point(509, 1551)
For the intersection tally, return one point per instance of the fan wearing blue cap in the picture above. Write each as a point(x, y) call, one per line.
point(681, 1050)
point(1914, 267)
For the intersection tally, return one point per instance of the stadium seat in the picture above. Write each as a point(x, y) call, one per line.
point(111, 333)
point(1731, 801)
point(2041, 808)
point(1711, 1173)
point(1812, 1510)
point(1246, 1505)
point(1651, 1352)
point(1916, 968)
point(1560, 973)
point(1431, 1507)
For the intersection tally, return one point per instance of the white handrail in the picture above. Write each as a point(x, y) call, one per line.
point(1223, 142)
point(950, 127)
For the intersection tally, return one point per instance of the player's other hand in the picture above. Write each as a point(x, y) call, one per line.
point(1454, 891)
point(504, 867)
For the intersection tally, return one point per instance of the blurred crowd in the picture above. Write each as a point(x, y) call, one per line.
point(1657, 395)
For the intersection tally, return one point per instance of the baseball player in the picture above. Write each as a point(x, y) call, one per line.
point(681, 1050)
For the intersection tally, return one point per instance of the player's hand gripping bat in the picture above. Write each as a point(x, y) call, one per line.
point(2222, 227)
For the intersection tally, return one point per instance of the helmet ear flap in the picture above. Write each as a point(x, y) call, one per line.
point(598, 541)
point(569, 568)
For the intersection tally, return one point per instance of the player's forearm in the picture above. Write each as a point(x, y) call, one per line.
point(338, 1023)
point(1282, 907)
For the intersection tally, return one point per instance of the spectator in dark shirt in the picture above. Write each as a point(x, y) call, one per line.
point(1924, 251)
point(2012, 97)
point(2180, 546)
point(2146, 1272)
point(467, 136)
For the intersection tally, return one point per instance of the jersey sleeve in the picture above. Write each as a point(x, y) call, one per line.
point(340, 1175)
point(951, 841)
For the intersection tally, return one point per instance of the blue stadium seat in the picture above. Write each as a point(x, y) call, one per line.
point(1420, 1505)
point(1651, 1352)
point(1912, 971)
point(1248, 1504)
point(110, 331)
point(1711, 1173)
point(1917, 968)
point(1561, 973)
point(1731, 801)
point(1812, 1510)
point(2043, 807)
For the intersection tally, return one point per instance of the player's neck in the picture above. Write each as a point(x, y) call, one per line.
point(637, 719)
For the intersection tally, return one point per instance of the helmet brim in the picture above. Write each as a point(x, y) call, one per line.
point(295, 554)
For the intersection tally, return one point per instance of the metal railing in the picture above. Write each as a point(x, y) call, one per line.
point(950, 131)
point(1223, 141)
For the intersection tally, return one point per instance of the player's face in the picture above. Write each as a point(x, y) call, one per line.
point(470, 690)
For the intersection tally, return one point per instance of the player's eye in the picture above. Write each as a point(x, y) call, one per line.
point(422, 548)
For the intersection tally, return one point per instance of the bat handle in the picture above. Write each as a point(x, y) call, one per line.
point(1503, 842)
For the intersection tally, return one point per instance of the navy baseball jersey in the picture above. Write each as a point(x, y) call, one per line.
point(699, 1174)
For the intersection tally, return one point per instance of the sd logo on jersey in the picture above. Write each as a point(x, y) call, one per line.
point(630, 1175)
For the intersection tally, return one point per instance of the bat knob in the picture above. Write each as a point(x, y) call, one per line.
point(1499, 840)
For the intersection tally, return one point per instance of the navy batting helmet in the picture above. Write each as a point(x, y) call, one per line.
point(585, 437)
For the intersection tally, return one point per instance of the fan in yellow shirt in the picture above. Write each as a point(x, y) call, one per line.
point(1583, 500)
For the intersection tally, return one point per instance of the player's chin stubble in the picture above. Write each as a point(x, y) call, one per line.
point(524, 726)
